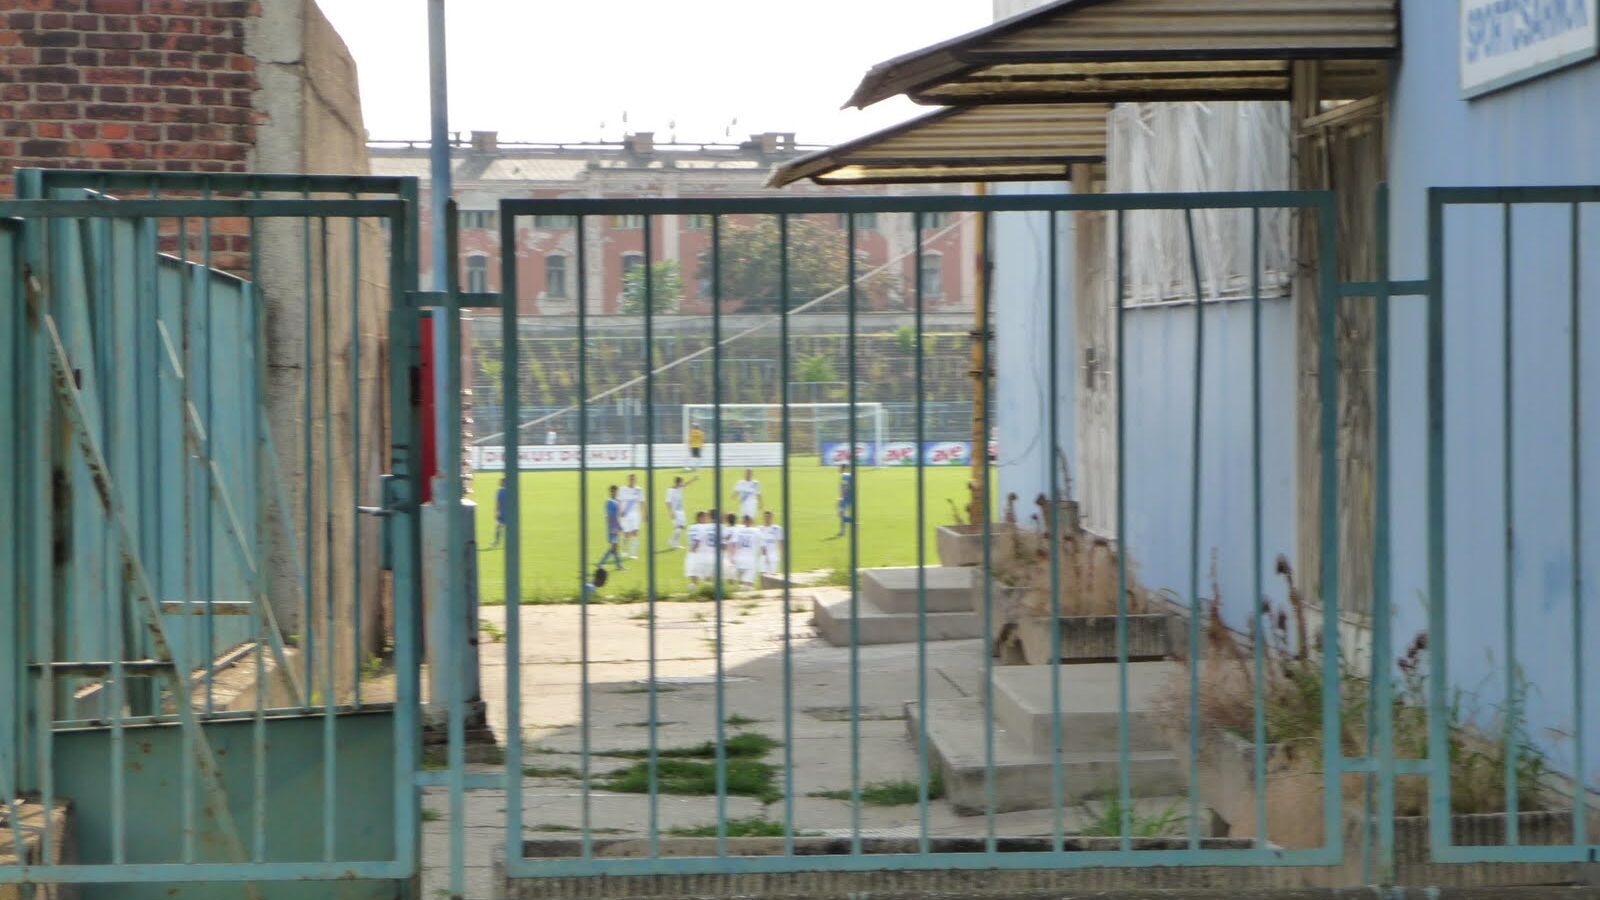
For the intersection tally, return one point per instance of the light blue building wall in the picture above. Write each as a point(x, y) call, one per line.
point(1544, 131)
point(1020, 297)
point(1158, 409)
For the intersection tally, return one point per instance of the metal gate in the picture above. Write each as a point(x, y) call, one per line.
point(723, 844)
point(203, 695)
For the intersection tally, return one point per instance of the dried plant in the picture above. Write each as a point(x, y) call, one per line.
point(1088, 567)
point(1292, 696)
point(1066, 475)
point(957, 516)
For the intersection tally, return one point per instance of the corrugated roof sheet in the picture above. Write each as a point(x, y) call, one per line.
point(1025, 142)
point(1141, 50)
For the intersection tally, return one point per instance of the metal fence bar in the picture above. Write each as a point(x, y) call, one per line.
point(1058, 787)
point(192, 873)
point(223, 182)
point(1580, 818)
point(1383, 629)
point(1508, 499)
point(175, 208)
point(253, 319)
point(308, 637)
point(924, 841)
point(117, 597)
point(930, 203)
point(1195, 605)
point(447, 349)
point(357, 654)
point(185, 346)
point(717, 587)
point(583, 522)
point(208, 546)
point(13, 326)
point(788, 637)
point(1258, 632)
point(511, 511)
point(1124, 779)
point(913, 862)
point(1328, 414)
point(149, 288)
point(719, 702)
point(330, 690)
point(405, 550)
point(855, 548)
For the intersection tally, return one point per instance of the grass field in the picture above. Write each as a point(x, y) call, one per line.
point(885, 504)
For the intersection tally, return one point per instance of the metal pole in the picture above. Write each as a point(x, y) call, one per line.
point(439, 152)
point(980, 363)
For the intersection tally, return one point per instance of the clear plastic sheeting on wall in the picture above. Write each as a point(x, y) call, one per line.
point(1223, 146)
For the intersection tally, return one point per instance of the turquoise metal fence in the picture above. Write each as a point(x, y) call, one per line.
point(1510, 323)
point(156, 644)
point(165, 541)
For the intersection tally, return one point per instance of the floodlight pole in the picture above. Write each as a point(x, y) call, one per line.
point(439, 150)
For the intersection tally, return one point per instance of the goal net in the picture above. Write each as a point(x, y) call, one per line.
point(821, 428)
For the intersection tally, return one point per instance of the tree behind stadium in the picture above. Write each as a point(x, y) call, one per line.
point(749, 264)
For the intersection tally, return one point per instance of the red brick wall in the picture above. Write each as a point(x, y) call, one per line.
point(126, 84)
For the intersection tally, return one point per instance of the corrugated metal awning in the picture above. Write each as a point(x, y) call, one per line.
point(1025, 142)
point(1142, 50)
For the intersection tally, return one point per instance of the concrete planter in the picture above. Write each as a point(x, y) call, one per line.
point(962, 545)
point(1087, 639)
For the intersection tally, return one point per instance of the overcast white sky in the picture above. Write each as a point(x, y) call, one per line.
point(568, 70)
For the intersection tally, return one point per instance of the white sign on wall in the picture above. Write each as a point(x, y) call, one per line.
point(1507, 41)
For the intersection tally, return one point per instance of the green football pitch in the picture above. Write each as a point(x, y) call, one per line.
point(886, 509)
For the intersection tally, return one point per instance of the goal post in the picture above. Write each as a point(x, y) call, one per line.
point(816, 423)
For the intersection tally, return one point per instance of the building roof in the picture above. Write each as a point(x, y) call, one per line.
point(1028, 95)
point(1144, 50)
point(1024, 142)
point(486, 159)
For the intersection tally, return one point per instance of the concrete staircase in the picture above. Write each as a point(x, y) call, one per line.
point(886, 610)
point(1023, 737)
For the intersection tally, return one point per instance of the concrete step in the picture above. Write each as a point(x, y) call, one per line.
point(874, 626)
point(1023, 779)
point(1089, 705)
point(895, 590)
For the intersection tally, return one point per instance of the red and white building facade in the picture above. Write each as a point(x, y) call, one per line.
point(485, 171)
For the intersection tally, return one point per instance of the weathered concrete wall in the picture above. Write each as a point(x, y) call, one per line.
point(310, 97)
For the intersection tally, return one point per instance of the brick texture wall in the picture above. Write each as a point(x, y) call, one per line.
point(126, 84)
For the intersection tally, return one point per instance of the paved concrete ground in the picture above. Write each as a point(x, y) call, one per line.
point(552, 678)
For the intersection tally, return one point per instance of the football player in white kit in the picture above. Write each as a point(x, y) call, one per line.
point(749, 493)
point(730, 547)
point(631, 497)
point(697, 562)
point(746, 550)
point(771, 545)
point(680, 519)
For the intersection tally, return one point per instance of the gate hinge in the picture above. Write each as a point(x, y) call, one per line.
point(390, 502)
